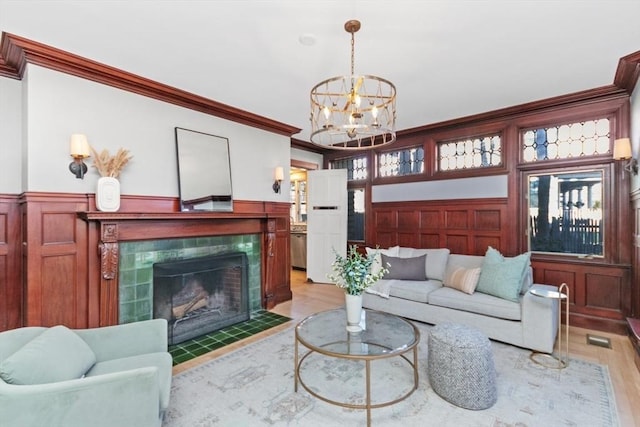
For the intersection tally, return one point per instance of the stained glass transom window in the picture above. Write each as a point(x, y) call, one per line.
point(399, 163)
point(470, 153)
point(572, 140)
point(356, 167)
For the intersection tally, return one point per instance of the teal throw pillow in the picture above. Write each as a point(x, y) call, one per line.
point(57, 354)
point(502, 277)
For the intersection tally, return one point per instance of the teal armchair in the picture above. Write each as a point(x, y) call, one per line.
point(103, 377)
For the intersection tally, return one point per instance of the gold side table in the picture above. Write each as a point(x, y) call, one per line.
point(562, 359)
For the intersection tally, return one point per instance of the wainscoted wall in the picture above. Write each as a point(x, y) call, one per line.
point(600, 293)
point(59, 257)
point(464, 226)
point(10, 289)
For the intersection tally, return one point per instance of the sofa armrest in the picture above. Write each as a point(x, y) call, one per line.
point(539, 320)
point(128, 398)
point(129, 339)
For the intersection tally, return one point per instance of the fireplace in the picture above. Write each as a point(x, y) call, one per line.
point(201, 295)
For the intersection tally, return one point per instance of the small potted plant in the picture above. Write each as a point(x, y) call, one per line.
point(353, 274)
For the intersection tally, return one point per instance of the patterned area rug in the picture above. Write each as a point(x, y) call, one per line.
point(254, 386)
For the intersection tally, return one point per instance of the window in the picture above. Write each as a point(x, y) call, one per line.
point(566, 212)
point(357, 172)
point(572, 140)
point(398, 163)
point(356, 167)
point(470, 153)
point(355, 214)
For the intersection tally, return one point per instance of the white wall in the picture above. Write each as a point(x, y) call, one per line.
point(307, 156)
point(465, 188)
point(10, 136)
point(58, 105)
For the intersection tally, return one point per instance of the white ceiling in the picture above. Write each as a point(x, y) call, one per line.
point(447, 58)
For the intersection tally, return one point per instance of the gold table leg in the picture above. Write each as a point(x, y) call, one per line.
point(562, 360)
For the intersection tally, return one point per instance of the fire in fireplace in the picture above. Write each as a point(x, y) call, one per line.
point(201, 295)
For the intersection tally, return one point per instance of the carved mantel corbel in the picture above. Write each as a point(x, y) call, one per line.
point(109, 250)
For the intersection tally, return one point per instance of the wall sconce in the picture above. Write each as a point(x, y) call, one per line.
point(622, 151)
point(79, 149)
point(279, 177)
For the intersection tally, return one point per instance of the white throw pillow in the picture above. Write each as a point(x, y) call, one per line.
point(463, 279)
point(377, 261)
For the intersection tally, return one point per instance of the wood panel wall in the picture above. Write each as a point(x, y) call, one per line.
point(600, 294)
point(463, 226)
point(57, 276)
point(10, 255)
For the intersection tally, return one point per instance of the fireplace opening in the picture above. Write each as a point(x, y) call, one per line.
point(201, 295)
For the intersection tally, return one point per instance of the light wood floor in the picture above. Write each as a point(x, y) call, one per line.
point(311, 298)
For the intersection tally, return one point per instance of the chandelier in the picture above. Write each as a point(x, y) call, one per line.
point(353, 112)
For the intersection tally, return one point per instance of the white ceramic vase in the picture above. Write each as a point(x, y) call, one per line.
point(108, 194)
point(353, 305)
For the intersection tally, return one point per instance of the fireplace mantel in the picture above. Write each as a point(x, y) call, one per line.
point(107, 229)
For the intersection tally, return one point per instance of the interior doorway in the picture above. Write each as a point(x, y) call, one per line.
point(298, 213)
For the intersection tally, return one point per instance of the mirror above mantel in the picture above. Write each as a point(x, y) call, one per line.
point(204, 171)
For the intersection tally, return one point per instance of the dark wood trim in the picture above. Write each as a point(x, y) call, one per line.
point(628, 72)
point(304, 165)
point(509, 113)
point(16, 52)
point(307, 146)
point(10, 263)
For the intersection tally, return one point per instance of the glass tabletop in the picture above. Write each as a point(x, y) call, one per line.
point(547, 293)
point(383, 334)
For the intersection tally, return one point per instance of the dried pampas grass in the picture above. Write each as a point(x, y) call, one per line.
point(108, 165)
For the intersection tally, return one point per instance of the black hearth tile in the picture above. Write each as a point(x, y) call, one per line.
point(260, 320)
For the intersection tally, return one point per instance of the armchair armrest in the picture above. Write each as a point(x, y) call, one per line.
point(85, 402)
point(129, 339)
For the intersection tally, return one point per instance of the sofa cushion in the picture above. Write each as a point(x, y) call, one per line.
point(436, 262)
point(414, 290)
point(503, 277)
point(476, 303)
point(462, 279)
point(57, 354)
point(162, 361)
point(405, 268)
point(377, 261)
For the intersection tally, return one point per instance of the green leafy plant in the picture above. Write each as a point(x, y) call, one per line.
point(353, 272)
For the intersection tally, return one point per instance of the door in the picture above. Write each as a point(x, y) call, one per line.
point(326, 221)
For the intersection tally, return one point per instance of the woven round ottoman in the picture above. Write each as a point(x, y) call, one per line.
point(460, 365)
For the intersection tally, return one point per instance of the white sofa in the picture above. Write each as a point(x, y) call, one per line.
point(532, 322)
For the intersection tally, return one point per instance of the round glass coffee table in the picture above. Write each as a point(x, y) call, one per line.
point(383, 336)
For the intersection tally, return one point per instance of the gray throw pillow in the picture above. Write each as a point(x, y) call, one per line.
point(405, 268)
point(57, 354)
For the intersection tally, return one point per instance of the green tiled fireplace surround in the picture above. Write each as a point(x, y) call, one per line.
point(137, 259)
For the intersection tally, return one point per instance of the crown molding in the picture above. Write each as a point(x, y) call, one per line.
point(16, 52)
point(628, 72)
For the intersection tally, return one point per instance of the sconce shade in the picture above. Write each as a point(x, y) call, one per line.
point(279, 173)
point(79, 146)
point(622, 149)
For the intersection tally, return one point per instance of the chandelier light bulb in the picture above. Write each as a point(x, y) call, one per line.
point(327, 113)
point(356, 100)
